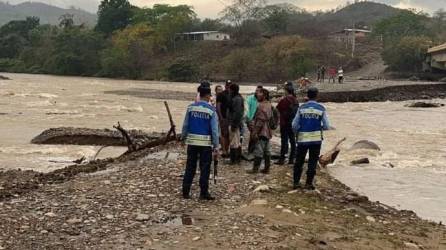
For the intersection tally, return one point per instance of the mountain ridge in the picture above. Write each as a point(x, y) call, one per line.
point(48, 14)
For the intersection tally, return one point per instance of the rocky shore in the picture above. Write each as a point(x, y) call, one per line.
point(133, 202)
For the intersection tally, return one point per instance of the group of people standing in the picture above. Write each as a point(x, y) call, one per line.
point(333, 73)
point(218, 124)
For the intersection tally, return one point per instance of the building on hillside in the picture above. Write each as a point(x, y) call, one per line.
point(436, 58)
point(346, 35)
point(205, 36)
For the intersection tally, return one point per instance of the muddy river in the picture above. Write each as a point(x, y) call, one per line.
point(408, 173)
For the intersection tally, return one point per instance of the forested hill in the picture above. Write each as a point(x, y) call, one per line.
point(365, 13)
point(48, 14)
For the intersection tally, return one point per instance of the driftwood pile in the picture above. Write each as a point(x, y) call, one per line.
point(136, 145)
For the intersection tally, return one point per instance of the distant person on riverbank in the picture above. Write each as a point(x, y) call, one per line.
point(287, 108)
point(251, 109)
point(235, 115)
point(201, 135)
point(323, 70)
point(262, 133)
point(332, 72)
point(341, 75)
point(223, 103)
point(309, 124)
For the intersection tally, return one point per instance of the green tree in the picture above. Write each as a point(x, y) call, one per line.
point(166, 21)
point(75, 52)
point(20, 27)
point(66, 21)
point(405, 24)
point(130, 52)
point(408, 54)
point(276, 17)
point(182, 70)
point(14, 36)
point(287, 57)
point(11, 45)
point(242, 10)
point(113, 15)
point(439, 25)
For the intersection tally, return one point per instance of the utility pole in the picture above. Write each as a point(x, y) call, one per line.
point(353, 40)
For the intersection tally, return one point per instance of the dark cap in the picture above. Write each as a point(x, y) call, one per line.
point(205, 84)
point(312, 92)
point(204, 91)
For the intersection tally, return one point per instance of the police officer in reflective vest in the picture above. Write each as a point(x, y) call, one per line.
point(200, 133)
point(309, 123)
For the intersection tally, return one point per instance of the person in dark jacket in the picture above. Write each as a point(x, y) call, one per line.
point(235, 118)
point(201, 135)
point(309, 124)
point(223, 104)
point(287, 108)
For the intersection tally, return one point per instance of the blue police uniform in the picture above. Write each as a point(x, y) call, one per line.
point(309, 123)
point(200, 132)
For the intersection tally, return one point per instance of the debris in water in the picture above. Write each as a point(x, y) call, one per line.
point(331, 155)
point(360, 161)
point(365, 144)
point(425, 105)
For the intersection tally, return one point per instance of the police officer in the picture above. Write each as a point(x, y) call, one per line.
point(201, 135)
point(311, 119)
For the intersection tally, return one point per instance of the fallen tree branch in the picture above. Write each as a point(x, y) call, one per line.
point(131, 146)
point(136, 145)
point(331, 155)
point(99, 151)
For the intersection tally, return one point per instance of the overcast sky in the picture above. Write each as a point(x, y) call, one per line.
point(212, 8)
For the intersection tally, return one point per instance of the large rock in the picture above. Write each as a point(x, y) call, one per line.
point(365, 144)
point(87, 136)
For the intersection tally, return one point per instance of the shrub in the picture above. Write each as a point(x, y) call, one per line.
point(182, 71)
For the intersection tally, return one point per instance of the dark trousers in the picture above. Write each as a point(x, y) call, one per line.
point(194, 154)
point(287, 136)
point(302, 151)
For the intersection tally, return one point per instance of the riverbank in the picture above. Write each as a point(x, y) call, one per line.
point(33, 103)
point(134, 202)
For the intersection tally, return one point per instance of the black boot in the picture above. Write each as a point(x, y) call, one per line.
point(281, 161)
point(256, 166)
point(267, 164)
point(309, 184)
point(206, 197)
point(291, 161)
point(186, 193)
point(239, 155)
point(232, 156)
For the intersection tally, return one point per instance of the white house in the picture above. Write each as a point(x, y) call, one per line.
point(205, 36)
point(436, 57)
point(346, 35)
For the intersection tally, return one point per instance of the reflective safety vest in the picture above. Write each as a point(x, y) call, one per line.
point(199, 131)
point(310, 123)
